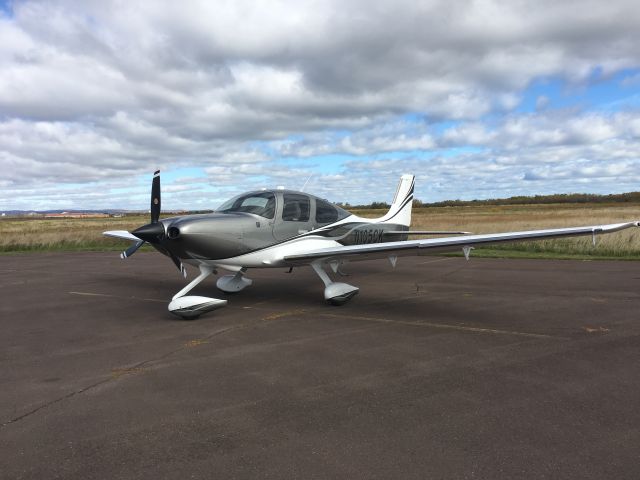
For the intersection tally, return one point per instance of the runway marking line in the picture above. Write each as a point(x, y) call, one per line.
point(276, 316)
point(443, 326)
point(596, 329)
point(92, 294)
point(598, 300)
point(434, 261)
point(22, 282)
point(253, 305)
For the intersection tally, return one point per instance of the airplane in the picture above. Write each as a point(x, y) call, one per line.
point(284, 228)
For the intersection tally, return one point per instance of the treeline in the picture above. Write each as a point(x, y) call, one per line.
point(630, 197)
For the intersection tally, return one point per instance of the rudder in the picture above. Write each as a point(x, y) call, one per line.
point(400, 211)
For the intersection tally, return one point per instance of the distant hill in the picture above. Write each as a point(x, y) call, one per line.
point(44, 212)
point(631, 197)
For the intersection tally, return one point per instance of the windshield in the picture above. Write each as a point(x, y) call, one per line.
point(262, 203)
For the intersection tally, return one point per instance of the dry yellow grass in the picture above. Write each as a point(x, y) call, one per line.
point(19, 234)
point(86, 234)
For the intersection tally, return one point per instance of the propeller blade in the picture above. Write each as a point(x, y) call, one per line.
point(155, 197)
point(178, 264)
point(132, 249)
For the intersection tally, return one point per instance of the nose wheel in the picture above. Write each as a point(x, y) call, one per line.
point(191, 307)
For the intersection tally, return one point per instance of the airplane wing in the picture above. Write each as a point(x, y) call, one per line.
point(121, 234)
point(447, 244)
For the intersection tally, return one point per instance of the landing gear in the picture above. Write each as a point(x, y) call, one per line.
point(191, 307)
point(234, 283)
point(336, 293)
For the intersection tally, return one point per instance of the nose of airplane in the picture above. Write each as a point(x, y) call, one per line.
point(151, 233)
point(210, 236)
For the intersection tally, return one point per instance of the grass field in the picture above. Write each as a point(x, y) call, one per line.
point(22, 235)
point(36, 234)
point(494, 219)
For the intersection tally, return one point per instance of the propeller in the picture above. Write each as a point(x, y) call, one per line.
point(132, 249)
point(178, 264)
point(153, 233)
point(155, 197)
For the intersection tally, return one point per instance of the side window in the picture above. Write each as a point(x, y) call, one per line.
point(295, 208)
point(325, 212)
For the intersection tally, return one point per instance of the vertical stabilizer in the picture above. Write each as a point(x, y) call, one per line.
point(400, 211)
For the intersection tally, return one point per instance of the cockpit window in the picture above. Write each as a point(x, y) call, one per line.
point(295, 208)
point(263, 204)
point(329, 213)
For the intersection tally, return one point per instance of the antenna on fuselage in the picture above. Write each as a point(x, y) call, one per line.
point(305, 183)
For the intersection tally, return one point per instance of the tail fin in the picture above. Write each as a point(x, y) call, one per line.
point(400, 211)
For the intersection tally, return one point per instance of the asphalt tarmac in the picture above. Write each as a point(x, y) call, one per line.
point(440, 368)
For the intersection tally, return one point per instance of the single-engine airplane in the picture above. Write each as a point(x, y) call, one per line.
point(284, 229)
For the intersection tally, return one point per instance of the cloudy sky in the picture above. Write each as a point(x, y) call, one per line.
point(477, 98)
